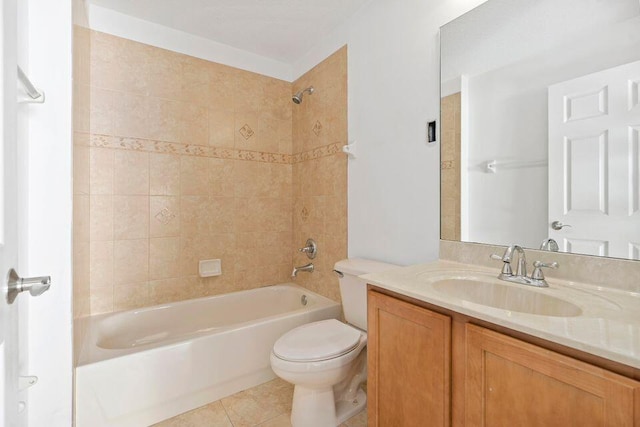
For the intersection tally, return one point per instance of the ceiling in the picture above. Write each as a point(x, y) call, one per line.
point(283, 30)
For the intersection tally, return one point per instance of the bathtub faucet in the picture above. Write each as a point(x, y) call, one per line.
point(308, 268)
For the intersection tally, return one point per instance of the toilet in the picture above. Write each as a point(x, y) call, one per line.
point(326, 361)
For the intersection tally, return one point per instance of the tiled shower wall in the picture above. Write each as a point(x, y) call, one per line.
point(450, 108)
point(320, 184)
point(188, 160)
point(81, 102)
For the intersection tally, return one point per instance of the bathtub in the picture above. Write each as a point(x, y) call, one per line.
point(139, 367)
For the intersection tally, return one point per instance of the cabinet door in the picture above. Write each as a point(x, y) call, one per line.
point(409, 364)
point(513, 383)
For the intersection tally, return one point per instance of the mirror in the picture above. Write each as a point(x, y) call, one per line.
point(540, 126)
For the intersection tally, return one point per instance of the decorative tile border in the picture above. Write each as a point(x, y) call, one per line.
point(163, 147)
point(316, 153)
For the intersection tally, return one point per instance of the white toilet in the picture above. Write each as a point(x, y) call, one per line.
point(327, 360)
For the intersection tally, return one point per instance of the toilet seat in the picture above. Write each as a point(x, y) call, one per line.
point(317, 341)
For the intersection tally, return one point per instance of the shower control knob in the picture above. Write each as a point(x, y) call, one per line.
point(310, 248)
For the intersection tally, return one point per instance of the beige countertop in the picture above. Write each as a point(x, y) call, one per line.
point(607, 323)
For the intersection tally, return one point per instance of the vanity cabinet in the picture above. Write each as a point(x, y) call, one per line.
point(408, 364)
point(513, 383)
point(435, 367)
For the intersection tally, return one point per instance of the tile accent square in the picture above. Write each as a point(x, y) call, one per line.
point(246, 131)
point(165, 216)
point(317, 128)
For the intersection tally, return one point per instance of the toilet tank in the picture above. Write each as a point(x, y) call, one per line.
point(354, 290)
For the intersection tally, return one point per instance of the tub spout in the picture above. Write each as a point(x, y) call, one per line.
point(308, 268)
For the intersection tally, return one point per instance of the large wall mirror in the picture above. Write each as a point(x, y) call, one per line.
point(540, 126)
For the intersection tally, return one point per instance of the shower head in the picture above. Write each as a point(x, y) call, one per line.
point(297, 98)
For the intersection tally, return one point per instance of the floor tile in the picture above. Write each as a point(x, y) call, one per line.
point(259, 404)
point(211, 415)
point(283, 420)
point(359, 420)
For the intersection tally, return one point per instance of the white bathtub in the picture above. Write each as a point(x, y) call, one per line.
point(140, 367)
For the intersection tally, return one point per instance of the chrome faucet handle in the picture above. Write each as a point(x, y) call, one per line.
point(506, 266)
point(538, 266)
point(310, 248)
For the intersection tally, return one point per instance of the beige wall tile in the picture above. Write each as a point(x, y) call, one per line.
point(101, 172)
point(177, 121)
point(249, 92)
point(118, 63)
point(131, 217)
point(164, 74)
point(268, 131)
point(131, 261)
point(194, 216)
point(220, 213)
point(194, 176)
point(131, 172)
point(221, 178)
point(195, 81)
point(256, 214)
point(81, 169)
point(101, 217)
point(164, 174)
point(164, 257)
point(101, 300)
point(81, 225)
point(170, 290)
point(102, 106)
point(101, 264)
point(132, 115)
point(221, 128)
point(222, 87)
point(164, 216)
point(130, 296)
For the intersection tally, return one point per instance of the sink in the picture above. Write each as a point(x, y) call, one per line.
point(506, 297)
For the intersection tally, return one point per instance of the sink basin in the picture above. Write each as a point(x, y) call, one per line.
point(506, 297)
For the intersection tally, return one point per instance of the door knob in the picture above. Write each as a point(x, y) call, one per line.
point(35, 285)
point(557, 225)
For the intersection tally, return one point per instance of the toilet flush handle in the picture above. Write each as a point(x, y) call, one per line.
point(340, 274)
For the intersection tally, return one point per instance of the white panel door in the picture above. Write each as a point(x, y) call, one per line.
point(594, 183)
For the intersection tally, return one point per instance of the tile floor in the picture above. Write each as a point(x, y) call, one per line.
point(267, 405)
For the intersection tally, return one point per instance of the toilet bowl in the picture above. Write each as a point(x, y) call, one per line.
point(326, 361)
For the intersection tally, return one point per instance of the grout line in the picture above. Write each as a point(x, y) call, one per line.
point(226, 412)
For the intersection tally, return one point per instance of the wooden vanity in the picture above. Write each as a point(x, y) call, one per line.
point(430, 366)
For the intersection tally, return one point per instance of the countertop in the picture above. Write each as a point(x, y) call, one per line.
point(608, 326)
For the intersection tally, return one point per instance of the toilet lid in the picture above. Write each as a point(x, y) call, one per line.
point(317, 341)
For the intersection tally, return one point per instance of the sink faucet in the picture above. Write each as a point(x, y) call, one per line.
point(537, 277)
point(308, 268)
point(521, 271)
point(549, 245)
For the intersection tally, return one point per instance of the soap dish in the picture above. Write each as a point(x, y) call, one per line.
point(210, 267)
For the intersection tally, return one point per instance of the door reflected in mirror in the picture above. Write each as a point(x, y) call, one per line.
point(540, 126)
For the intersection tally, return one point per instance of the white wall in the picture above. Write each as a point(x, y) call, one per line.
point(49, 215)
point(118, 24)
point(394, 183)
